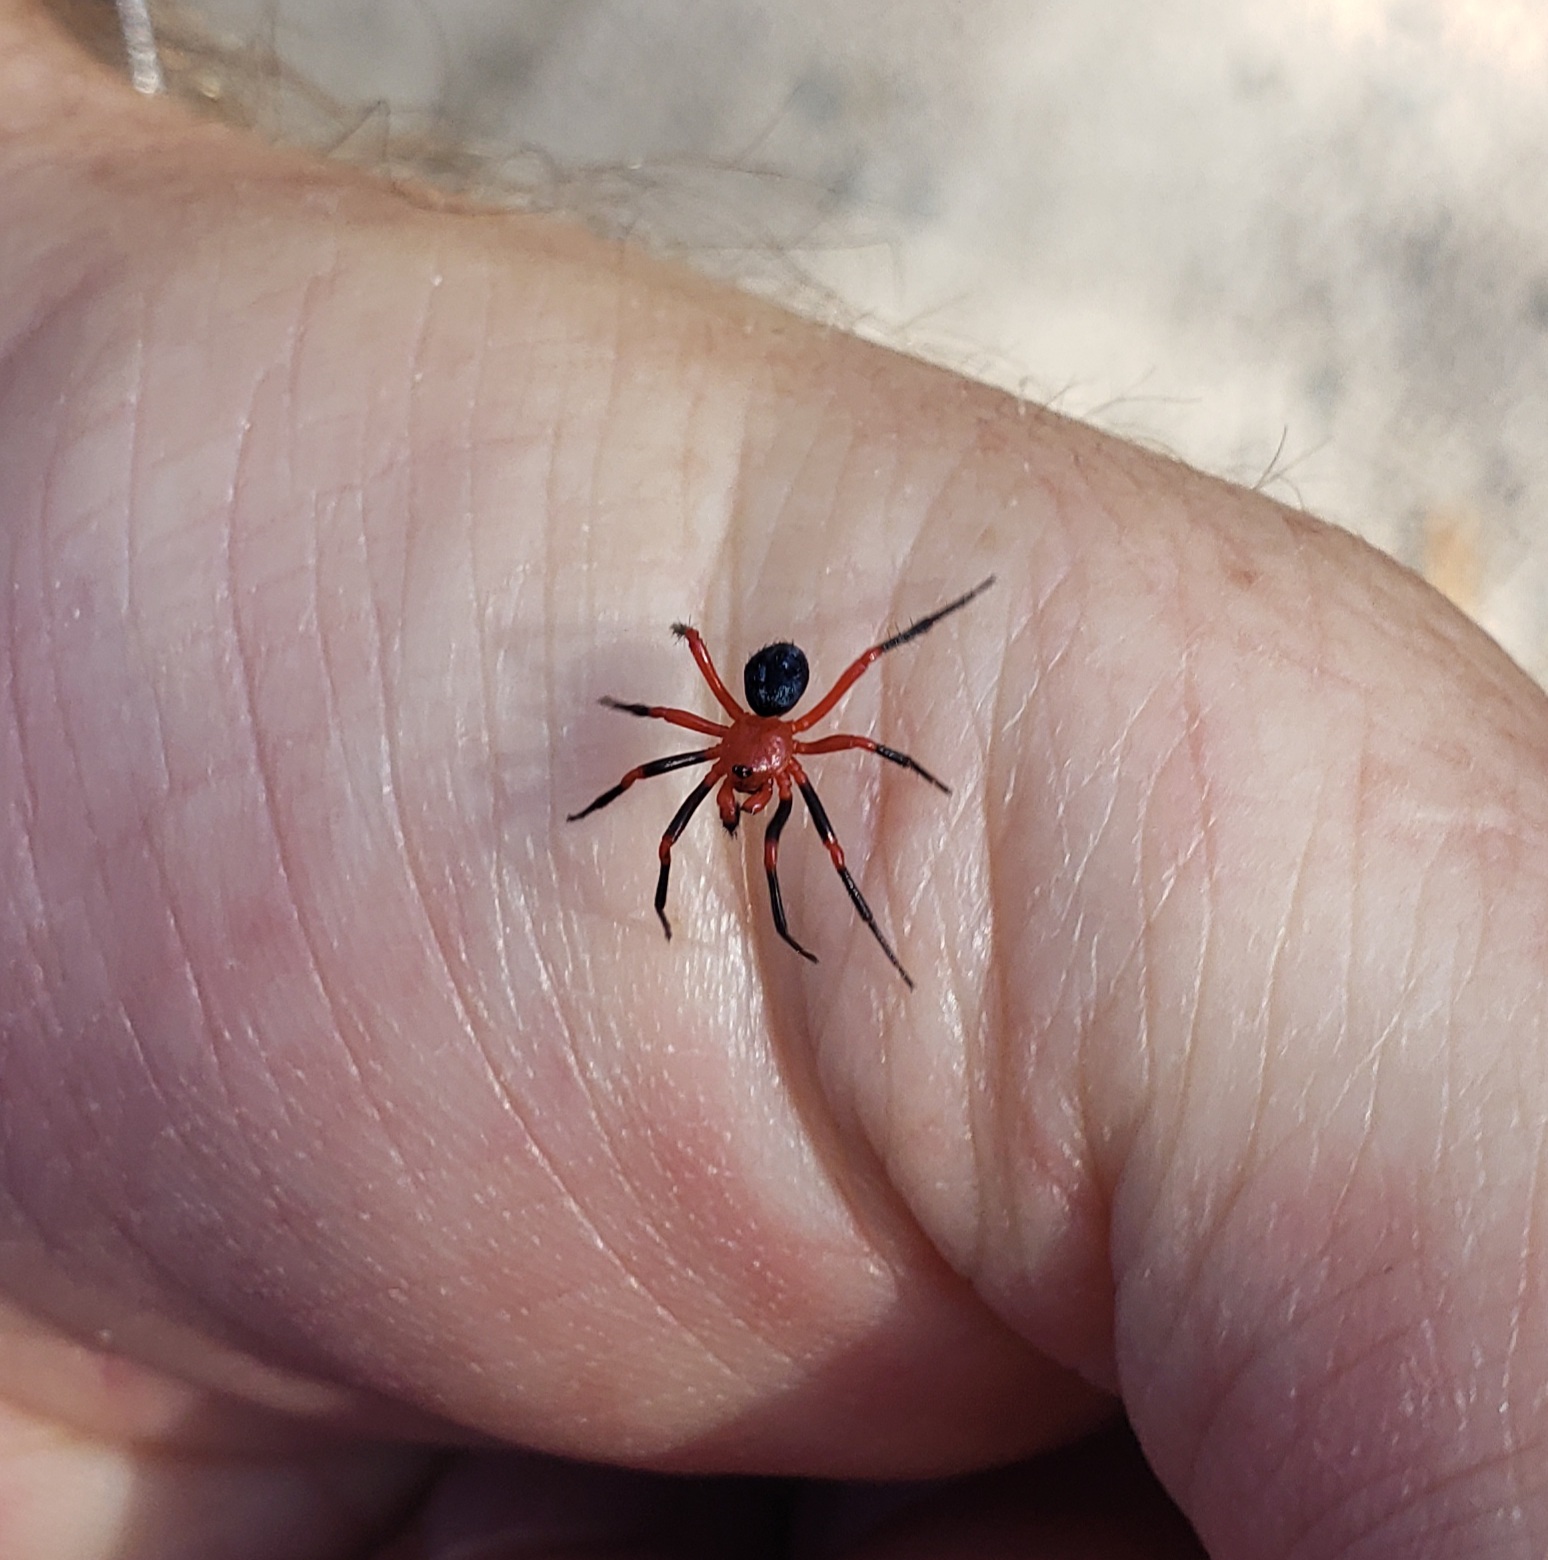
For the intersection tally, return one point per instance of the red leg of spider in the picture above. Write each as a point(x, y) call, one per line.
point(836, 852)
point(863, 662)
point(707, 667)
point(771, 867)
point(685, 718)
point(659, 766)
point(840, 744)
point(669, 839)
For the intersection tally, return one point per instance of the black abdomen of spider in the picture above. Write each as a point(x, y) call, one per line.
point(775, 678)
point(756, 757)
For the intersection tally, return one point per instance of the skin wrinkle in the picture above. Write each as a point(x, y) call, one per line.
point(390, 650)
point(46, 1233)
point(338, 1008)
point(554, 978)
point(462, 1001)
point(1101, 1011)
point(1135, 953)
point(1531, 1243)
point(970, 1031)
point(1452, 1042)
point(1359, 875)
point(1192, 725)
point(594, 1082)
point(264, 772)
point(325, 513)
point(26, 768)
point(1348, 1367)
point(611, 344)
point(884, 1134)
point(1238, 1381)
point(15, 1173)
point(1407, 1010)
point(133, 614)
point(1377, 1053)
point(467, 445)
point(491, 1071)
point(1297, 892)
point(51, 657)
point(1079, 1150)
point(551, 584)
point(1447, 1100)
point(884, 807)
point(1301, 1536)
point(1438, 1537)
point(1409, 1498)
point(1004, 1103)
point(484, 598)
point(32, 912)
point(719, 1303)
point(1507, 1463)
point(1244, 1185)
point(1374, 1055)
point(732, 559)
point(934, 515)
point(84, 277)
point(1295, 911)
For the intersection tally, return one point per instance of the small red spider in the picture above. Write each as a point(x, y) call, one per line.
point(758, 755)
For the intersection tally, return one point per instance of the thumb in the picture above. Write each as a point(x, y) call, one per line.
point(1253, 1103)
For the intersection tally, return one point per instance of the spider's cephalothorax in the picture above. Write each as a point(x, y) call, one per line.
point(756, 757)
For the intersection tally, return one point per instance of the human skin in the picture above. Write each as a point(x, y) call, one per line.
point(352, 1105)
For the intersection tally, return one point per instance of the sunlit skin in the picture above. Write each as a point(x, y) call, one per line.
point(758, 757)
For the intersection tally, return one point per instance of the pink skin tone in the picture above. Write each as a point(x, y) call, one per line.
point(375, 1180)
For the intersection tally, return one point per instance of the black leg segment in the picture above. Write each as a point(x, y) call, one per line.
point(771, 867)
point(659, 766)
point(669, 839)
point(925, 624)
point(836, 853)
point(894, 757)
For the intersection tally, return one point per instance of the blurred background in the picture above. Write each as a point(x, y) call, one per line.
point(1299, 243)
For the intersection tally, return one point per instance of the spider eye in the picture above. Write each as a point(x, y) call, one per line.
point(775, 678)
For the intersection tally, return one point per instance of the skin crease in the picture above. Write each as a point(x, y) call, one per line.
point(352, 1104)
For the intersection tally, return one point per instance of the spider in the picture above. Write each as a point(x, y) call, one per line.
point(758, 757)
